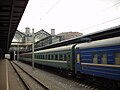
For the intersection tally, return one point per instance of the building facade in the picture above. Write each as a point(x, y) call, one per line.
point(69, 35)
point(43, 38)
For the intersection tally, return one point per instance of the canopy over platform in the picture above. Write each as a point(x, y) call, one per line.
point(11, 12)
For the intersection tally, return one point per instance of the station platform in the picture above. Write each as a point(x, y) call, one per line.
point(3, 75)
point(8, 77)
point(9, 80)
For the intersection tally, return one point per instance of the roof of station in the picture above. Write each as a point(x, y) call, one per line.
point(102, 34)
point(11, 12)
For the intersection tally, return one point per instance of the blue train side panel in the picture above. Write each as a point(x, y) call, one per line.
point(101, 71)
point(85, 64)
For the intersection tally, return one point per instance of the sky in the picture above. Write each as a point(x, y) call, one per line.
point(85, 16)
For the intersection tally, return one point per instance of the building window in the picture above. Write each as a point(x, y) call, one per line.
point(95, 60)
point(104, 58)
point(117, 58)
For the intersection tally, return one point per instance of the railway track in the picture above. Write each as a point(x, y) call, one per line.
point(93, 83)
point(84, 81)
point(29, 81)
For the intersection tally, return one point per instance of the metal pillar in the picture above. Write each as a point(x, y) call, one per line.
point(14, 55)
point(33, 48)
point(18, 52)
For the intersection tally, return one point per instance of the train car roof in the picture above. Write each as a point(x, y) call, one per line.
point(56, 49)
point(25, 53)
point(99, 43)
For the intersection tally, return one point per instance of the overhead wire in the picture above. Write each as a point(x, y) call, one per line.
point(113, 5)
point(101, 23)
point(53, 6)
point(105, 21)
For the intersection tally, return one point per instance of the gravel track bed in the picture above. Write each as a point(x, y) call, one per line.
point(52, 81)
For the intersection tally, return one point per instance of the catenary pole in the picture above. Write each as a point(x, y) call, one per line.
point(18, 52)
point(14, 55)
point(33, 48)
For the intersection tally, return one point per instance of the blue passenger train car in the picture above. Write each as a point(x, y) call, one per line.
point(99, 58)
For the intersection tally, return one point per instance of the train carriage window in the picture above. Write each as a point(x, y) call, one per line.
point(52, 57)
point(37, 56)
point(48, 57)
point(65, 57)
point(43, 57)
point(60, 57)
point(95, 59)
point(117, 58)
point(69, 56)
point(78, 58)
point(104, 58)
point(56, 57)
